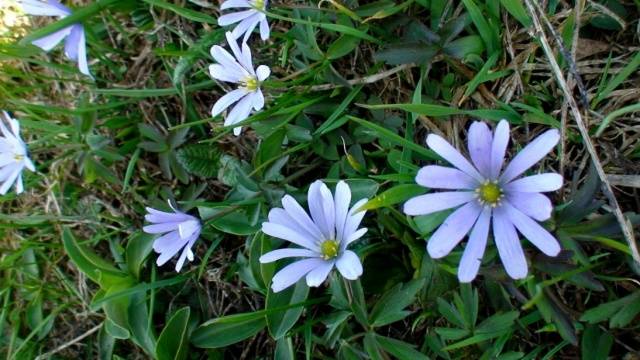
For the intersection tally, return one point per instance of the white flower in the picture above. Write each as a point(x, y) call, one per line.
point(180, 233)
point(75, 47)
point(247, 19)
point(324, 236)
point(237, 69)
point(13, 156)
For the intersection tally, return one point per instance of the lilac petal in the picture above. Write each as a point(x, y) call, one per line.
point(354, 218)
point(430, 203)
point(349, 265)
point(536, 183)
point(19, 184)
point(83, 65)
point(263, 72)
point(286, 233)
point(264, 29)
point(498, 148)
point(440, 177)
point(246, 27)
point(291, 273)
point(10, 180)
point(234, 17)
point(50, 41)
point(474, 251)
point(229, 4)
point(6, 171)
point(161, 227)
point(479, 144)
point(240, 111)
point(318, 275)
point(453, 229)
point(258, 102)
point(242, 56)
point(39, 8)
point(530, 155)
point(172, 244)
point(353, 237)
point(534, 205)
point(322, 208)
point(300, 216)
point(189, 229)
point(342, 199)
point(281, 217)
point(246, 59)
point(530, 229)
point(224, 102)
point(508, 245)
point(453, 156)
point(156, 216)
point(6, 159)
point(229, 63)
point(71, 44)
point(275, 255)
point(186, 253)
point(226, 74)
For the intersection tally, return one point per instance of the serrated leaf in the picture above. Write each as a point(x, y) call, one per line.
point(199, 159)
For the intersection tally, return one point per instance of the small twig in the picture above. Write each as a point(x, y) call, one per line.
point(67, 344)
point(624, 180)
point(584, 132)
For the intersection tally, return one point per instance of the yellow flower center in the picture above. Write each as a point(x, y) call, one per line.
point(329, 249)
point(18, 157)
point(251, 83)
point(490, 193)
point(259, 4)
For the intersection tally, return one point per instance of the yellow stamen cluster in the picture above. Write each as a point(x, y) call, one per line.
point(329, 249)
point(259, 4)
point(489, 193)
point(251, 83)
point(18, 157)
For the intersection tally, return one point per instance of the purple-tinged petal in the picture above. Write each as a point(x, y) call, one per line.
point(83, 64)
point(281, 217)
point(39, 8)
point(19, 184)
point(534, 205)
point(530, 155)
point(189, 229)
point(354, 218)
point(508, 245)
point(186, 253)
point(291, 273)
point(536, 183)
point(161, 227)
point(251, 23)
point(530, 229)
point(318, 275)
point(453, 156)
point(168, 245)
point(479, 144)
point(430, 203)
point(353, 237)
point(300, 216)
point(234, 17)
point(499, 148)
point(71, 44)
point(453, 229)
point(440, 177)
point(224, 102)
point(264, 29)
point(474, 251)
point(50, 41)
point(157, 216)
point(342, 200)
point(276, 255)
point(229, 4)
point(240, 111)
point(322, 208)
point(10, 180)
point(286, 233)
point(224, 58)
point(258, 100)
point(349, 265)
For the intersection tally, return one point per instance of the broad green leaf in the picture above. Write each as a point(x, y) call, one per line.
point(279, 322)
point(138, 249)
point(390, 307)
point(173, 342)
point(199, 159)
point(393, 196)
point(400, 349)
point(227, 330)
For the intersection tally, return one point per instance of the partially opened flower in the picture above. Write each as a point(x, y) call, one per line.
point(484, 193)
point(75, 47)
point(322, 238)
point(180, 231)
point(247, 19)
point(237, 69)
point(14, 156)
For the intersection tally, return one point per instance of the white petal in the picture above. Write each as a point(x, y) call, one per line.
point(286, 233)
point(229, 4)
point(224, 102)
point(499, 147)
point(246, 26)
point(263, 72)
point(226, 74)
point(474, 251)
point(354, 218)
point(318, 275)
point(264, 29)
point(230, 64)
point(258, 100)
point(300, 216)
point(189, 229)
point(161, 227)
point(10, 180)
point(276, 255)
point(508, 245)
point(322, 208)
point(243, 56)
point(234, 17)
point(531, 154)
point(349, 265)
point(453, 156)
point(534, 205)
point(50, 41)
point(281, 217)
point(535, 233)
point(355, 236)
point(434, 202)
point(291, 273)
point(240, 111)
point(82, 55)
point(342, 200)
point(19, 185)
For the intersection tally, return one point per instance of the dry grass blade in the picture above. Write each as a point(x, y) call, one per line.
point(535, 13)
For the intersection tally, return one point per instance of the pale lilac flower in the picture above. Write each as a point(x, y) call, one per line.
point(75, 47)
point(485, 193)
point(323, 238)
point(14, 156)
point(237, 69)
point(180, 231)
point(247, 19)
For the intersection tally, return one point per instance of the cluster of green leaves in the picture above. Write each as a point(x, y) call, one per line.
point(113, 150)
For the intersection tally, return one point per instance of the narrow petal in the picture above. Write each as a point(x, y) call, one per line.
point(264, 29)
point(50, 41)
point(474, 251)
point(189, 229)
point(240, 111)
point(479, 144)
point(530, 155)
point(242, 56)
point(234, 17)
point(354, 218)
point(536, 183)
point(281, 217)
point(430, 203)
point(530, 229)
point(508, 245)
point(440, 177)
point(349, 265)
point(71, 44)
point(186, 253)
point(319, 274)
point(246, 26)
point(19, 184)
point(161, 216)
point(83, 64)
point(171, 245)
point(161, 227)
point(453, 156)
point(534, 205)
point(228, 62)
point(6, 159)
point(224, 102)
point(229, 4)
point(322, 208)
point(499, 148)
point(246, 59)
point(258, 102)
point(6, 171)
point(300, 216)
point(291, 273)
point(286, 233)
point(453, 229)
point(276, 255)
point(342, 200)
point(263, 72)
point(355, 236)
point(10, 180)
point(39, 8)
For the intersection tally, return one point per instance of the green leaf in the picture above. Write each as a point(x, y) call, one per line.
point(173, 342)
point(279, 322)
point(406, 53)
point(488, 33)
point(227, 330)
point(115, 330)
point(341, 47)
point(596, 344)
point(400, 349)
point(193, 15)
point(199, 159)
point(284, 349)
point(497, 323)
point(390, 307)
point(138, 249)
point(372, 347)
point(395, 195)
point(517, 10)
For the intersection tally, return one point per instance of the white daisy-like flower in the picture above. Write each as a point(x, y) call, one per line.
point(14, 156)
point(247, 19)
point(180, 231)
point(323, 238)
point(237, 69)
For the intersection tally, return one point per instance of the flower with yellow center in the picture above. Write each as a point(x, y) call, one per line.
point(252, 15)
point(13, 155)
point(489, 193)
